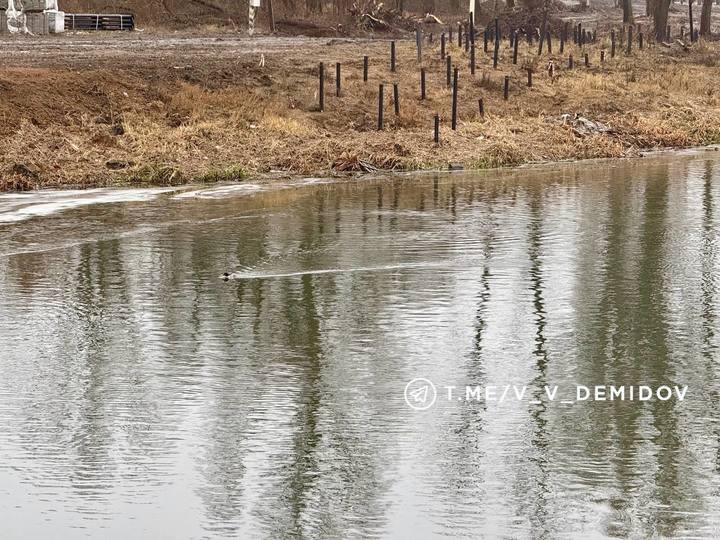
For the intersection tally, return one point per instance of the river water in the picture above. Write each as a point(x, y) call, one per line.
point(143, 395)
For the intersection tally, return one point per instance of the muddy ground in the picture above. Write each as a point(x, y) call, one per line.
point(160, 107)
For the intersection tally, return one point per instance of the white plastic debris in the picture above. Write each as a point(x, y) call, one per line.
point(584, 126)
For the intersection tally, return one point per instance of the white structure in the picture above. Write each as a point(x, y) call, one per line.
point(56, 18)
point(56, 21)
point(16, 19)
point(33, 16)
point(254, 7)
point(252, 13)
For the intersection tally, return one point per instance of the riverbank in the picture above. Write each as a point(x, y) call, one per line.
point(162, 110)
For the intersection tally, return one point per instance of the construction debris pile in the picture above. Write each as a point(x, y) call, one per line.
point(34, 17)
point(373, 15)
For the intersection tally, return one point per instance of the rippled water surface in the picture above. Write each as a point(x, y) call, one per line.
point(141, 395)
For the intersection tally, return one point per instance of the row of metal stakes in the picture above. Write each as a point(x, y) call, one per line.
point(581, 37)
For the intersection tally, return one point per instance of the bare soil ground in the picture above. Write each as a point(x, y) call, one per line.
point(162, 108)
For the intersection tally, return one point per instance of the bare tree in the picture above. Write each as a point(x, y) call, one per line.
point(628, 11)
point(705, 18)
point(429, 6)
point(661, 17)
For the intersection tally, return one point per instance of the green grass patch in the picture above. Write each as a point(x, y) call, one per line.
point(233, 173)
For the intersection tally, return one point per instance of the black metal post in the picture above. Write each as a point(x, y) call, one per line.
point(338, 79)
point(472, 58)
point(381, 107)
point(454, 99)
point(322, 87)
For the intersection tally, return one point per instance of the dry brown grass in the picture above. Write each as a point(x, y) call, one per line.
point(229, 120)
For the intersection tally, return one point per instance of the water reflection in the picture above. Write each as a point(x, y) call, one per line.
point(142, 395)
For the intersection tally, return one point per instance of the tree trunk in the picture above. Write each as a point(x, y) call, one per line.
point(661, 18)
point(627, 12)
point(691, 21)
point(705, 18)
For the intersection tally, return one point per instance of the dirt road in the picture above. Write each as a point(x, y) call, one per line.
point(120, 48)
